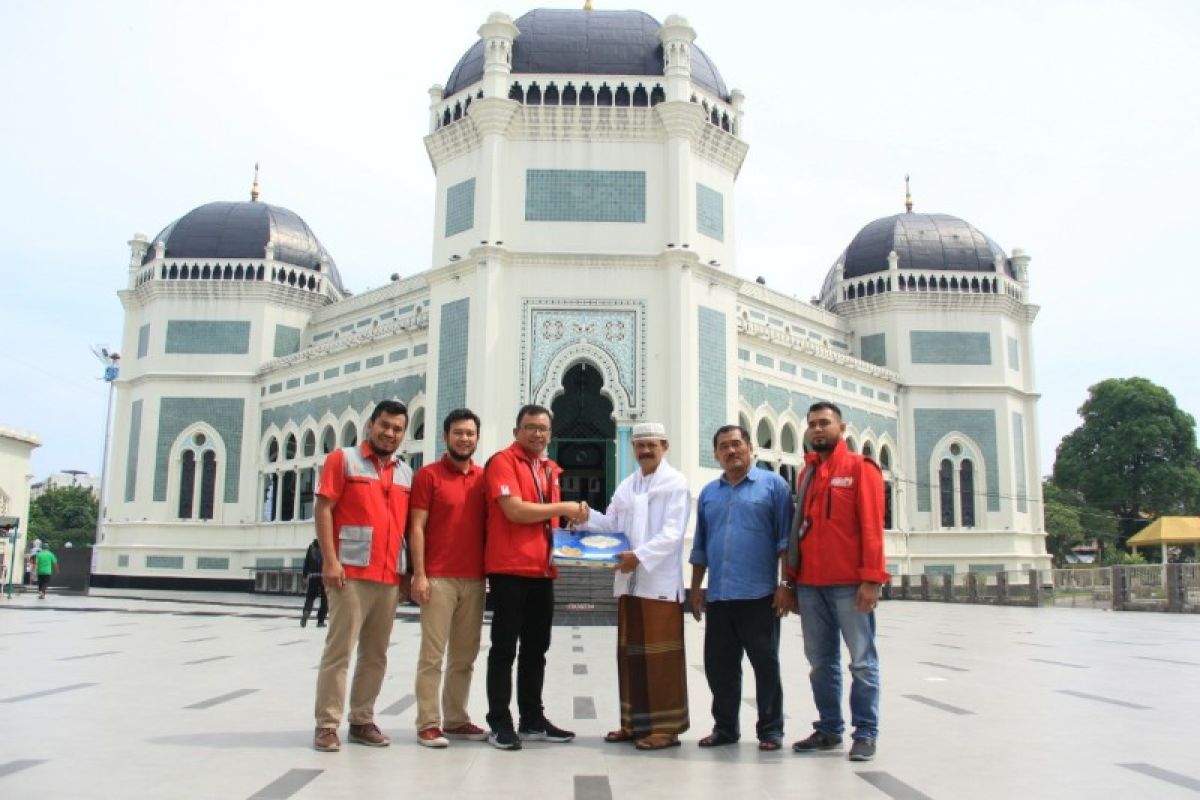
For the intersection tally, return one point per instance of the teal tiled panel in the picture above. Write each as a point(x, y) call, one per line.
point(208, 337)
point(932, 424)
point(208, 562)
point(758, 315)
point(452, 360)
point(397, 355)
point(405, 309)
point(829, 380)
point(287, 340)
point(788, 367)
point(874, 349)
point(374, 361)
point(332, 372)
point(1014, 354)
point(884, 397)
point(808, 374)
point(743, 354)
point(352, 367)
point(388, 314)
point(322, 336)
point(311, 378)
point(292, 383)
point(164, 562)
point(764, 361)
point(358, 399)
point(963, 348)
point(850, 386)
point(420, 349)
point(131, 459)
point(866, 391)
point(275, 388)
point(578, 195)
point(268, 563)
point(362, 323)
point(1018, 423)
point(711, 341)
point(710, 212)
point(839, 345)
point(223, 414)
point(460, 207)
point(143, 341)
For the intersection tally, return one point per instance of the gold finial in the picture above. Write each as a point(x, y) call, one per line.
point(587, 5)
point(254, 186)
point(907, 196)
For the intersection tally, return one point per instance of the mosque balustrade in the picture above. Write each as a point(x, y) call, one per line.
point(598, 91)
point(931, 281)
point(242, 270)
point(418, 320)
point(802, 344)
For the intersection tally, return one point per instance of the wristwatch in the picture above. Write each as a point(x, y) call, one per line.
point(787, 585)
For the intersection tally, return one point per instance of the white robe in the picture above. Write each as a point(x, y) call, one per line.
point(653, 512)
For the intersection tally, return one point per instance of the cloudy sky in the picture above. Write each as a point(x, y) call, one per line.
point(1069, 129)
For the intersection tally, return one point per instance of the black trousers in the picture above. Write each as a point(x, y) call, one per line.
point(314, 589)
point(522, 612)
point(734, 627)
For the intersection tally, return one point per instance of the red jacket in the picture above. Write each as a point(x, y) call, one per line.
point(844, 506)
point(513, 549)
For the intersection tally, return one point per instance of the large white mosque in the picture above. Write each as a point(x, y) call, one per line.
point(584, 257)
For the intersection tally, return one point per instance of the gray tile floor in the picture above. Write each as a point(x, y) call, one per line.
point(173, 695)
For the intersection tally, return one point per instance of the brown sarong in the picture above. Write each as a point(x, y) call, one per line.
point(651, 669)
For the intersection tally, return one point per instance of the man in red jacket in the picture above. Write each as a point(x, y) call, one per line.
point(838, 579)
point(523, 502)
point(361, 514)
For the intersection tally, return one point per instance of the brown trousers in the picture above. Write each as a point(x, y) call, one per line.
point(360, 613)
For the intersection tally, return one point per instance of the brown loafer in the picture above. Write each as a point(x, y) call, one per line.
point(769, 745)
point(618, 736)
point(657, 741)
point(369, 734)
point(716, 740)
point(326, 740)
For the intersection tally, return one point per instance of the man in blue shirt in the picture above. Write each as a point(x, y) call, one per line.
point(742, 523)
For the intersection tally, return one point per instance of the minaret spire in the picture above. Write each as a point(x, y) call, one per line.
point(907, 195)
point(254, 186)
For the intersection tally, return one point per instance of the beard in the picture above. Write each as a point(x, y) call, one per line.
point(825, 446)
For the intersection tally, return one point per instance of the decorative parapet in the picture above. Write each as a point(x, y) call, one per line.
point(418, 320)
point(809, 347)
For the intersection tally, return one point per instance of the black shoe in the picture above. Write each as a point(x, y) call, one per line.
point(304, 617)
point(320, 624)
point(504, 739)
point(862, 750)
point(817, 741)
point(545, 731)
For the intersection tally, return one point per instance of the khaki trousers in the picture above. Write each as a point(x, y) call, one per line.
point(450, 625)
point(360, 612)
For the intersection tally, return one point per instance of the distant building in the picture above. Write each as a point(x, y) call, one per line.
point(15, 449)
point(584, 257)
point(63, 478)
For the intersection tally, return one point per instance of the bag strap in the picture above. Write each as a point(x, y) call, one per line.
point(799, 525)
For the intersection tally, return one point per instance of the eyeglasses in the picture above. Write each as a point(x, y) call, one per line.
point(536, 428)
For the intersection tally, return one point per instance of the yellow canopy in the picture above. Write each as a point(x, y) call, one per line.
point(1168, 531)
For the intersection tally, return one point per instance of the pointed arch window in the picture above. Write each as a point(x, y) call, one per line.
point(946, 492)
point(966, 492)
point(187, 484)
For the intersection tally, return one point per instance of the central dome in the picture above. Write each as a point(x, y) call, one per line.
point(923, 242)
point(577, 42)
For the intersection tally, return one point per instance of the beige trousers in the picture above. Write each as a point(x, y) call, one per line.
point(450, 626)
point(360, 613)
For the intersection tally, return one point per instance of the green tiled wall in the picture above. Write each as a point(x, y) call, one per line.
point(287, 340)
point(874, 349)
point(710, 212)
point(711, 340)
point(131, 459)
point(460, 207)
point(224, 415)
point(932, 424)
point(755, 393)
point(578, 195)
point(452, 362)
point(1018, 423)
point(164, 562)
point(374, 361)
point(143, 341)
point(208, 337)
point(950, 347)
point(208, 562)
point(1014, 354)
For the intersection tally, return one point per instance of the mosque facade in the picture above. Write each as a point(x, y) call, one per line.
point(584, 257)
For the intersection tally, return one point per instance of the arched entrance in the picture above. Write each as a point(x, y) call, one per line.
point(584, 437)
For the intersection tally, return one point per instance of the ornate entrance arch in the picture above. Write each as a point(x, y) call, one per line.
point(584, 439)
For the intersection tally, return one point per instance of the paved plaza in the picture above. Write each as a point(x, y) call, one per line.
point(173, 695)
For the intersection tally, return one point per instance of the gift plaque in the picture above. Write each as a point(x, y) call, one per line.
point(582, 548)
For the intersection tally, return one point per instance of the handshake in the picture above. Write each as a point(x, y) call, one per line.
point(576, 512)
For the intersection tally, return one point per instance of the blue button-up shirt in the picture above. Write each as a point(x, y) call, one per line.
point(740, 531)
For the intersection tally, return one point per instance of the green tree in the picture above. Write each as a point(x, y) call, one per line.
point(64, 514)
point(1070, 522)
point(1135, 454)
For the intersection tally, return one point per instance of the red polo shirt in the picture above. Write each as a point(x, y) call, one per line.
point(454, 530)
point(513, 548)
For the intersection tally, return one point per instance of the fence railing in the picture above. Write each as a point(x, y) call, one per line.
point(1156, 587)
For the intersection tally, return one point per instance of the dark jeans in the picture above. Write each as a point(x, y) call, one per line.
point(522, 610)
point(316, 588)
point(43, 582)
point(734, 627)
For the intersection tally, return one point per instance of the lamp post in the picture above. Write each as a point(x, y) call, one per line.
point(111, 372)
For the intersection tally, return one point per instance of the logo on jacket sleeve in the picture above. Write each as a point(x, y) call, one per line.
point(842, 482)
point(505, 491)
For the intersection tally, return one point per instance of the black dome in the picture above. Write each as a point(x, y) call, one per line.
point(922, 241)
point(242, 230)
point(576, 42)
